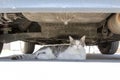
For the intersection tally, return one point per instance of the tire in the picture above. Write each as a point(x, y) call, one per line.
point(108, 47)
point(1, 47)
point(28, 48)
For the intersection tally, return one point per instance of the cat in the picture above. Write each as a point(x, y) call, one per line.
point(58, 51)
point(75, 51)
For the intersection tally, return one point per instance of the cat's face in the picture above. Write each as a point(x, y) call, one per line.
point(77, 44)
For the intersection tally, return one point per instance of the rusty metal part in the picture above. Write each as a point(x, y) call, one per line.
point(55, 31)
point(6, 38)
point(58, 33)
point(59, 30)
point(23, 24)
point(114, 24)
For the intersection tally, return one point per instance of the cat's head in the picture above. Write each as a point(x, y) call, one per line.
point(78, 44)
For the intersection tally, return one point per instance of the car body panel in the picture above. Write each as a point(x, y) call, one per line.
point(66, 17)
point(60, 6)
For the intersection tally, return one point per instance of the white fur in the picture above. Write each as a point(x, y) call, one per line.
point(76, 52)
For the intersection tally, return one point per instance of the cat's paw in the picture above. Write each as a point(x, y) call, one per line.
point(16, 57)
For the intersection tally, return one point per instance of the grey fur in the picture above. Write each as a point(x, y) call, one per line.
point(55, 49)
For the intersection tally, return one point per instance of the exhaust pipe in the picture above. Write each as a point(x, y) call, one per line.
point(114, 24)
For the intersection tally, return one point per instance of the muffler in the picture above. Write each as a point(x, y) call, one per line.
point(114, 24)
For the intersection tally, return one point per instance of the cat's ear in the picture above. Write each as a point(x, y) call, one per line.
point(82, 40)
point(71, 39)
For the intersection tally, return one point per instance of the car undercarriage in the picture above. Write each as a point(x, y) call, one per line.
point(54, 28)
point(47, 22)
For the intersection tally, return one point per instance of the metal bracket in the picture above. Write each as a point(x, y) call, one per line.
point(6, 38)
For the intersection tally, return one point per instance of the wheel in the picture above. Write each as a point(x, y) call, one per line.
point(108, 47)
point(1, 47)
point(28, 48)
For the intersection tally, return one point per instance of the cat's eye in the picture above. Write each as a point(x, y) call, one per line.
point(81, 44)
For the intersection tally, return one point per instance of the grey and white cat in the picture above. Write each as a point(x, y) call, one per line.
point(75, 50)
